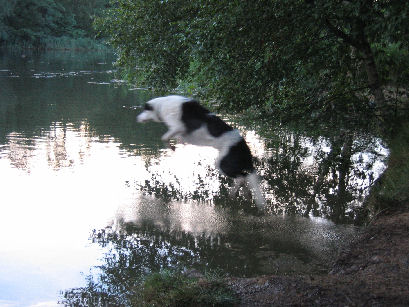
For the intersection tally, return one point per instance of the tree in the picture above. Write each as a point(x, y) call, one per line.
point(84, 13)
point(362, 24)
point(32, 22)
point(287, 55)
point(151, 35)
point(7, 7)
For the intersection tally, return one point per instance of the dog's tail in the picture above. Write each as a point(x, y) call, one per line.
point(254, 184)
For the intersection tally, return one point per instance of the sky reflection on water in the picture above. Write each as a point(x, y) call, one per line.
point(76, 171)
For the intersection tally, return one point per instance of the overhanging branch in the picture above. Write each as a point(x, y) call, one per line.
point(342, 35)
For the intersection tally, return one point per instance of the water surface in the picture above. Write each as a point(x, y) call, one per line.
point(90, 197)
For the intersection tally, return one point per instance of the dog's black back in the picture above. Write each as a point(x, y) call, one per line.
point(238, 160)
point(194, 116)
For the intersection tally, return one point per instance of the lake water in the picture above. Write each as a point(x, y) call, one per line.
point(90, 199)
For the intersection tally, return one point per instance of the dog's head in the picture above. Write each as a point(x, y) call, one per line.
point(148, 114)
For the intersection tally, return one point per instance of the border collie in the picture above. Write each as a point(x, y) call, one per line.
point(192, 123)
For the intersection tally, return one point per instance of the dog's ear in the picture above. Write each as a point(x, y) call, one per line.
point(148, 107)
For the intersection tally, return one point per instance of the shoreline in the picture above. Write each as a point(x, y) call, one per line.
point(372, 270)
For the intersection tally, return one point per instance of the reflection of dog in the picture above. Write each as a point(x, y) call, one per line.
point(188, 120)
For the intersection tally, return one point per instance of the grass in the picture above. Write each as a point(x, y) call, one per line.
point(171, 288)
point(60, 43)
point(80, 43)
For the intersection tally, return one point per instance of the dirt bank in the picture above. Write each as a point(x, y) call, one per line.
point(372, 271)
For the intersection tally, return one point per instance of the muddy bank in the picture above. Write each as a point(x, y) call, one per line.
point(372, 271)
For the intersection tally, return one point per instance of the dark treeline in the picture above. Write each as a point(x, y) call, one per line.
point(48, 23)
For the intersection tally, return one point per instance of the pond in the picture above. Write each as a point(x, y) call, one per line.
point(91, 200)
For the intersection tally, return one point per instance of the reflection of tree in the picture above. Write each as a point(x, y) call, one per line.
point(332, 186)
point(20, 150)
point(301, 175)
point(285, 176)
point(57, 147)
point(36, 109)
point(135, 250)
point(92, 295)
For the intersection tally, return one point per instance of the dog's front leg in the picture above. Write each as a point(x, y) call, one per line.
point(170, 134)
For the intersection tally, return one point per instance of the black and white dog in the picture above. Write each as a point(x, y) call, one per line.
point(192, 123)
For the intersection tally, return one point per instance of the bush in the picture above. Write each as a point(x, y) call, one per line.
point(170, 288)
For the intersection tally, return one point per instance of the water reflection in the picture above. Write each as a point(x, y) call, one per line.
point(182, 215)
point(50, 172)
point(206, 237)
point(73, 159)
point(323, 177)
point(326, 177)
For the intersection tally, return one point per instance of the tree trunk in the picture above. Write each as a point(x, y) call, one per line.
point(360, 42)
point(373, 76)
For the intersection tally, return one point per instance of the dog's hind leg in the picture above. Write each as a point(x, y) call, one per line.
point(238, 182)
point(254, 184)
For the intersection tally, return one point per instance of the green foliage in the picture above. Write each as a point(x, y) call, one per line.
point(150, 36)
point(84, 13)
point(71, 43)
point(170, 288)
point(394, 60)
point(392, 188)
point(283, 56)
point(46, 23)
point(7, 7)
point(35, 20)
